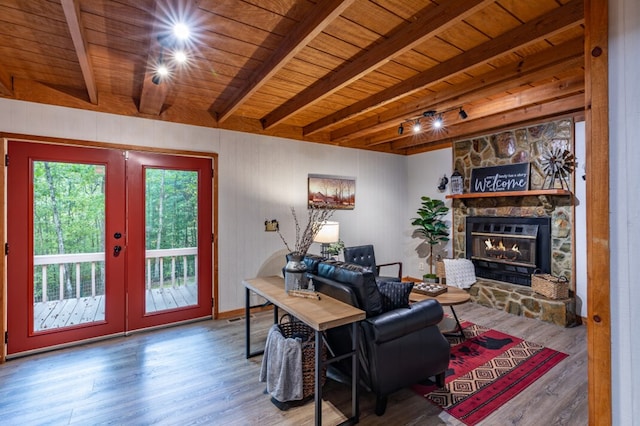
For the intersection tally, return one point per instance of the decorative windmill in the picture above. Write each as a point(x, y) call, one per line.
point(557, 164)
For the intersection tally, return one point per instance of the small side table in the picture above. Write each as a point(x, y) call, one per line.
point(453, 296)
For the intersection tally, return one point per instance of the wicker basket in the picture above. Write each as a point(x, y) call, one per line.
point(550, 286)
point(293, 328)
point(440, 271)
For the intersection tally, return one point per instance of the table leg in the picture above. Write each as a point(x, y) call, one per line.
point(247, 324)
point(355, 382)
point(318, 379)
point(457, 322)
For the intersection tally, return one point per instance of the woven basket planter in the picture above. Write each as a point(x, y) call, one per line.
point(292, 328)
point(550, 286)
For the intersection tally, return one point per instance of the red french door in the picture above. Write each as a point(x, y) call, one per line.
point(103, 241)
point(171, 268)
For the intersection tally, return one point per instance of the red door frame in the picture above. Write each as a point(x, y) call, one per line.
point(20, 258)
point(138, 162)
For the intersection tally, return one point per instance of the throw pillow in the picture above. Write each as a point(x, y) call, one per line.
point(395, 294)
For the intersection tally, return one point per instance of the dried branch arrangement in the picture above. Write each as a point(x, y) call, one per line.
point(304, 239)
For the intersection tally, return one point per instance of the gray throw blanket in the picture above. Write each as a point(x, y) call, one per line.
point(282, 366)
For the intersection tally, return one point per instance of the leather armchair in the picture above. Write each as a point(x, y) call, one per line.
point(398, 348)
point(365, 256)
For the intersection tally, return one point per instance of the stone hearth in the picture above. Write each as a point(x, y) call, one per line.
point(522, 301)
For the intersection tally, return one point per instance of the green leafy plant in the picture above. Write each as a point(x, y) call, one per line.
point(334, 249)
point(430, 225)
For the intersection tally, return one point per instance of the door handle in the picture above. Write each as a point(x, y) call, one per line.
point(116, 251)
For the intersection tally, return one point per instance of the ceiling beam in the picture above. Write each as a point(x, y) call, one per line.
point(534, 68)
point(537, 29)
point(324, 13)
point(477, 114)
point(427, 24)
point(501, 123)
point(501, 120)
point(71, 10)
point(153, 96)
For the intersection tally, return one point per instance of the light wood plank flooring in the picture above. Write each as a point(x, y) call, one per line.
point(197, 374)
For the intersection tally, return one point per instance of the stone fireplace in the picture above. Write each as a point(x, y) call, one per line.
point(497, 232)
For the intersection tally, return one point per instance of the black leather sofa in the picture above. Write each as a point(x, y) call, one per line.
point(398, 348)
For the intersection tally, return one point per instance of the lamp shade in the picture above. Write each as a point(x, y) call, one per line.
point(329, 233)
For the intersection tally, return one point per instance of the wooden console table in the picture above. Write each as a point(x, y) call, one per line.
point(320, 315)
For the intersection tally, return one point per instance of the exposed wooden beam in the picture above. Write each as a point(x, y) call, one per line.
point(71, 10)
point(598, 212)
point(478, 113)
point(543, 27)
point(502, 121)
point(153, 95)
point(426, 25)
point(324, 13)
point(534, 68)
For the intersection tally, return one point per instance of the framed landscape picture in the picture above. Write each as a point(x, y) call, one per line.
point(337, 192)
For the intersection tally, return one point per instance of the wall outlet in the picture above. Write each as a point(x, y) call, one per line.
point(420, 266)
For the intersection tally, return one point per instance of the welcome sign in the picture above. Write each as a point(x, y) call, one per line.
point(509, 177)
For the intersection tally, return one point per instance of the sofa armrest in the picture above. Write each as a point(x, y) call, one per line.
point(402, 321)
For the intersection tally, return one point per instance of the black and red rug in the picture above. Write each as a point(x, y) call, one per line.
point(486, 370)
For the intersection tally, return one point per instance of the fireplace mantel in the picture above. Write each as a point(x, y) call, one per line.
point(544, 196)
point(532, 192)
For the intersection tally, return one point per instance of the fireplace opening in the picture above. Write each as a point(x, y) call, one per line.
point(509, 249)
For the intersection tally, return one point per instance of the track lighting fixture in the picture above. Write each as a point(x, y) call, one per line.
point(161, 71)
point(174, 44)
point(436, 120)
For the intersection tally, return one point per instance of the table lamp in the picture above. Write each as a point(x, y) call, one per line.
point(329, 233)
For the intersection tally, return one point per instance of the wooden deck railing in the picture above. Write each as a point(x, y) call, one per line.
point(60, 260)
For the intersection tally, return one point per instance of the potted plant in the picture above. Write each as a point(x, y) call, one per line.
point(431, 228)
point(334, 249)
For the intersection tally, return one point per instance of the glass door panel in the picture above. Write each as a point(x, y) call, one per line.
point(68, 244)
point(171, 239)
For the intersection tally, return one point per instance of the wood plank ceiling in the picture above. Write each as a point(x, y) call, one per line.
point(345, 73)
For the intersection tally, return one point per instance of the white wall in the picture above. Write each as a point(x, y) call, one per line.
point(580, 225)
point(624, 157)
point(424, 174)
point(259, 178)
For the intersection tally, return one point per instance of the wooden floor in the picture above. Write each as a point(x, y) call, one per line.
point(68, 312)
point(197, 374)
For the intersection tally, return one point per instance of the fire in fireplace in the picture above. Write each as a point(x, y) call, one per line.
point(509, 249)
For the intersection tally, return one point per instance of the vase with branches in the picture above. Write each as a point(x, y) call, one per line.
point(295, 269)
point(430, 225)
point(304, 237)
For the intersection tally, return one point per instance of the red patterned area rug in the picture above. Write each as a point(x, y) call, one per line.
point(486, 370)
